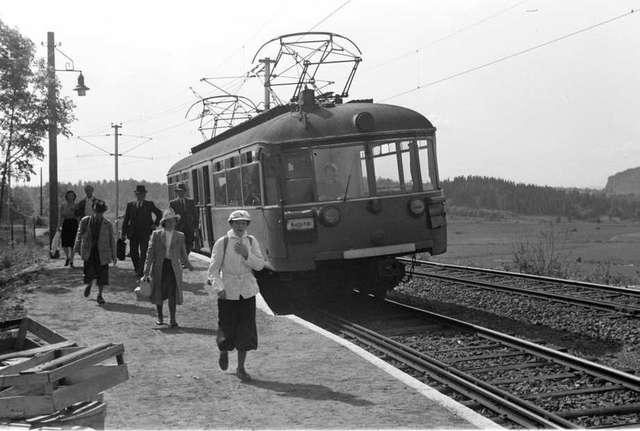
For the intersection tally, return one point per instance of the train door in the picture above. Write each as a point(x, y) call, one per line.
point(207, 221)
point(197, 198)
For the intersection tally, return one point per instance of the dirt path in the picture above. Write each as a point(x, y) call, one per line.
point(301, 380)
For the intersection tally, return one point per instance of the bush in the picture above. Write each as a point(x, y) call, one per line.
point(543, 254)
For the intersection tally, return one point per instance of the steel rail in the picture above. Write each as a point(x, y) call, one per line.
point(595, 286)
point(520, 411)
point(627, 380)
point(628, 310)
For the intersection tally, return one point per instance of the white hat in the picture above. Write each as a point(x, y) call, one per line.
point(169, 214)
point(239, 215)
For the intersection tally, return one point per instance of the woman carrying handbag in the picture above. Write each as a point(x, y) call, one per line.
point(166, 255)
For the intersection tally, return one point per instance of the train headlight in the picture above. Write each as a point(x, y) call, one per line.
point(330, 216)
point(416, 207)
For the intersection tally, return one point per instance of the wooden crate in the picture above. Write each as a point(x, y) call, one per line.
point(42, 372)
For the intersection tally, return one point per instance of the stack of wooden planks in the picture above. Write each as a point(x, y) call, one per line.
point(45, 378)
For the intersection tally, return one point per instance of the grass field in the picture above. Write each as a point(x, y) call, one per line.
point(606, 252)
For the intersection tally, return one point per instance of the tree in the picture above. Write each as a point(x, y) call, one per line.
point(23, 108)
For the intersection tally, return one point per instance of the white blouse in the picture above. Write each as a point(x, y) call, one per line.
point(237, 277)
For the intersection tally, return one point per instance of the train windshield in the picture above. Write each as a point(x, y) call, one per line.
point(360, 171)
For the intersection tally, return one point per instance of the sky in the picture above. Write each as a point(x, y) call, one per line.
point(562, 115)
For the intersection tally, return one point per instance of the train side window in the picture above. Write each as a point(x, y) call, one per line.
point(386, 168)
point(425, 170)
point(234, 187)
point(251, 185)
point(194, 182)
point(206, 185)
point(220, 188)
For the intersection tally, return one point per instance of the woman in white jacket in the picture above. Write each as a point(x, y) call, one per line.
point(233, 259)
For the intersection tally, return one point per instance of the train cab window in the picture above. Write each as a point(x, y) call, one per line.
point(386, 168)
point(251, 185)
point(339, 170)
point(410, 166)
point(220, 188)
point(426, 174)
point(234, 187)
point(298, 178)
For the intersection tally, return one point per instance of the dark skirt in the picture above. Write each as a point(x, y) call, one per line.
point(168, 282)
point(93, 269)
point(69, 230)
point(237, 324)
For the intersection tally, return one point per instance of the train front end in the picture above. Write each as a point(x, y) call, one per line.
point(364, 193)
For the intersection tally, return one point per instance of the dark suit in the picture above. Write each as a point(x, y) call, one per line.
point(188, 219)
point(80, 207)
point(137, 226)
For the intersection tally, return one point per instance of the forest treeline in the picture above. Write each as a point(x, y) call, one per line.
point(529, 199)
point(471, 192)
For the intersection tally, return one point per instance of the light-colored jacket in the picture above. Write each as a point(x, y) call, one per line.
point(155, 258)
point(106, 242)
point(237, 276)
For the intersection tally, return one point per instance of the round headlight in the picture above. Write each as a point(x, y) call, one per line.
point(330, 216)
point(416, 207)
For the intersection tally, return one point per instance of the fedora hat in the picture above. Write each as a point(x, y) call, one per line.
point(141, 189)
point(169, 214)
point(240, 215)
point(99, 206)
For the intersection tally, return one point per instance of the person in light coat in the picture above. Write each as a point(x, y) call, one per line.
point(166, 255)
point(233, 259)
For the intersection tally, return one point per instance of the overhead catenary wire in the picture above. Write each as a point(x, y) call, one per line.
point(330, 15)
point(510, 56)
point(450, 35)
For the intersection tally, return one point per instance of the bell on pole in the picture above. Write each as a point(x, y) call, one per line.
point(81, 88)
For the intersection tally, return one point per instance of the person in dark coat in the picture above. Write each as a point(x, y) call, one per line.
point(85, 206)
point(68, 225)
point(186, 209)
point(166, 254)
point(137, 226)
point(96, 245)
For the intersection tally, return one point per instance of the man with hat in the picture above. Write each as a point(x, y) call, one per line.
point(233, 259)
point(186, 209)
point(138, 225)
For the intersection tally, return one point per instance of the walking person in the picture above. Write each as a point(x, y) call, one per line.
point(138, 225)
point(167, 254)
point(85, 206)
point(233, 258)
point(188, 221)
point(68, 226)
point(95, 243)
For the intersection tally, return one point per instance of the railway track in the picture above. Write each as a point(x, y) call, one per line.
point(515, 382)
point(618, 300)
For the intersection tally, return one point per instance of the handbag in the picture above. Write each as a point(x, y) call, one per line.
point(143, 291)
point(54, 252)
point(121, 248)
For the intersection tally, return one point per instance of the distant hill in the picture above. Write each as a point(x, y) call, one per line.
point(624, 183)
point(529, 199)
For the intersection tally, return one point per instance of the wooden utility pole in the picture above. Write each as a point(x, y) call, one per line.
point(53, 136)
point(41, 191)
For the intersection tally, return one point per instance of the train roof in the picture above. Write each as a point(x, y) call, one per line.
point(287, 124)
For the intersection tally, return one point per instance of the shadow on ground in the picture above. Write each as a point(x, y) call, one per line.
point(308, 391)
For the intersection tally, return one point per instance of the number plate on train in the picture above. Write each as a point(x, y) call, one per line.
point(300, 224)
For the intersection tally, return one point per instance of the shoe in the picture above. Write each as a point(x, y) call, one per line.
point(87, 290)
point(100, 300)
point(223, 360)
point(242, 375)
point(66, 262)
point(173, 325)
point(159, 322)
point(71, 263)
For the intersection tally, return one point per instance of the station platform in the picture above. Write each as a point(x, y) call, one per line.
point(301, 377)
